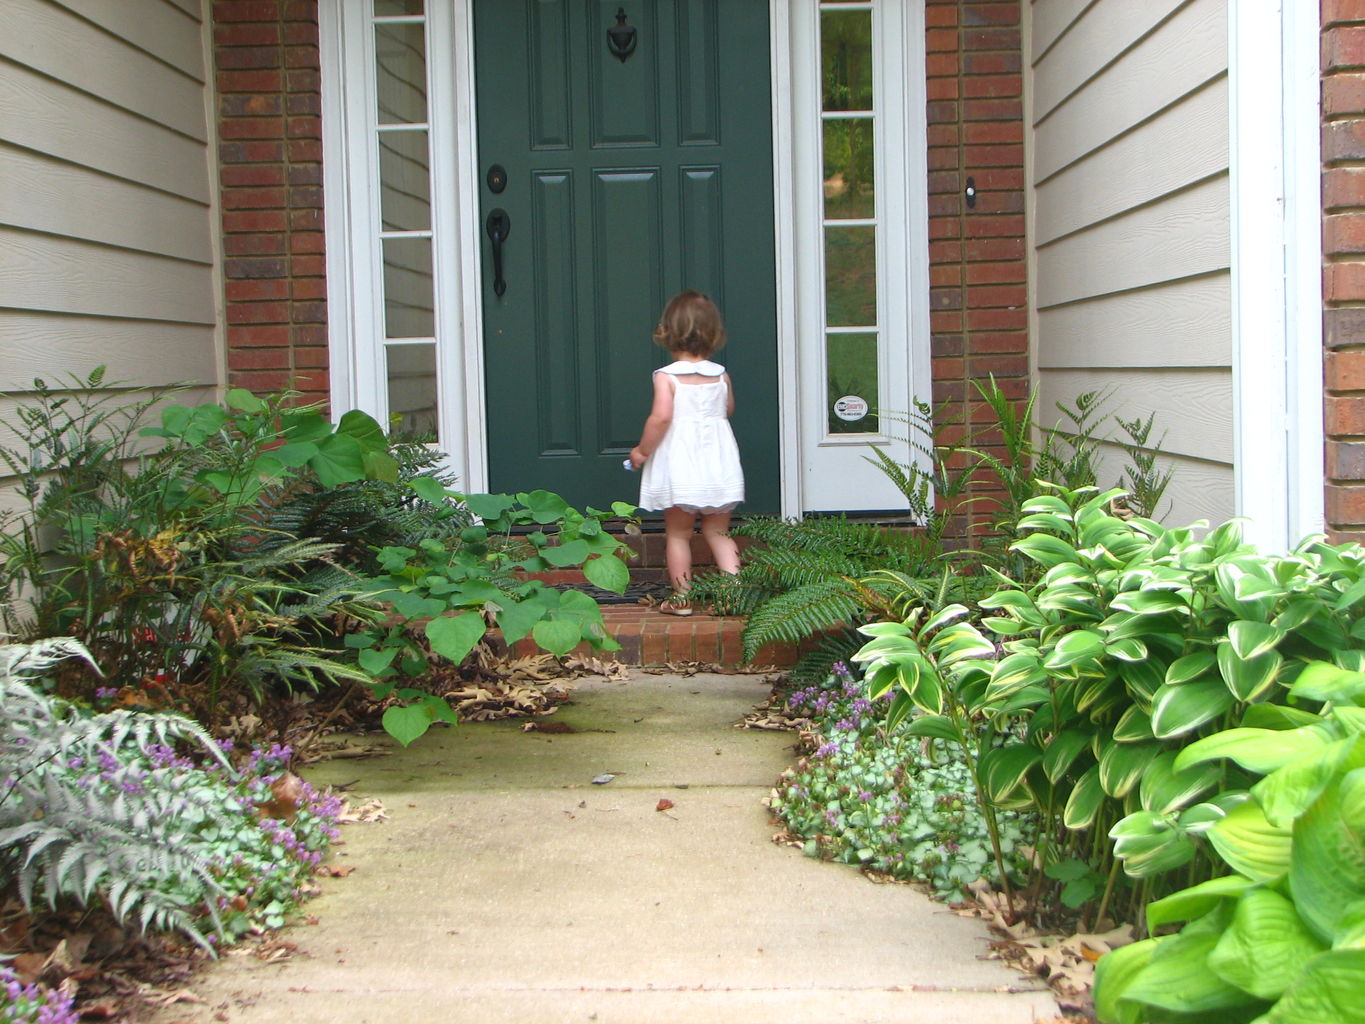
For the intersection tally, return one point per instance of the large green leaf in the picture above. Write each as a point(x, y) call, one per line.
point(935, 726)
point(1177, 978)
point(1012, 673)
point(1248, 678)
point(558, 636)
point(516, 619)
point(1150, 844)
point(489, 506)
point(454, 636)
point(572, 552)
point(1004, 771)
point(1253, 639)
point(1328, 991)
point(545, 506)
point(1150, 602)
point(1277, 716)
point(1327, 875)
point(607, 572)
point(1177, 710)
point(1134, 726)
point(1353, 799)
point(1122, 765)
point(1322, 681)
point(1250, 845)
point(1062, 750)
point(1085, 801)
point(340, 459)
point(1266, 947)
point(364, 428)
point(406, 723)
point(1076, 648)
point(1257, 750)
point(1189, 667)
point(1165, 789)
point(1196, 901)
point(429, 489)
point(1046, 550)
point(1114, 973)
point(1290, 791)
point(1142, 678)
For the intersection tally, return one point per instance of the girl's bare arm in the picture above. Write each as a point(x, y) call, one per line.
point(729, 396)
point(656, 425)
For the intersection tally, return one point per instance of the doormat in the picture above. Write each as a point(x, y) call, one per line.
point(637, 592)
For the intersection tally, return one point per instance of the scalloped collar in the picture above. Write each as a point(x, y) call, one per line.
point(704, 367)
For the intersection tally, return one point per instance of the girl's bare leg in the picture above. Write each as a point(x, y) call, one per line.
point(716, 529)
point(678, 526)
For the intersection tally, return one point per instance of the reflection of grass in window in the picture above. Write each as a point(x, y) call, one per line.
point(851, 276)
point(848, 171)
point(852, 371)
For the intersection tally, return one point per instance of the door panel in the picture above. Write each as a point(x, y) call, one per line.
point(627, 181)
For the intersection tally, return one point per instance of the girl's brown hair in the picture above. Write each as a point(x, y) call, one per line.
point(690, 323)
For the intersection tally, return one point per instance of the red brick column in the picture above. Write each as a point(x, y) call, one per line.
point(978, 292)
point(270, 161)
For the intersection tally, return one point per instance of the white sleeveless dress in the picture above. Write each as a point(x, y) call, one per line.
point(696, 466)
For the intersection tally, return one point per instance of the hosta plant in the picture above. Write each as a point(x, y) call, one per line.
point(1281, 940)
point(485, 575)
point(1135, 641)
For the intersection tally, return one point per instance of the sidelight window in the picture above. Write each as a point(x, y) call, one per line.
point(403, 139)
point(848, 113)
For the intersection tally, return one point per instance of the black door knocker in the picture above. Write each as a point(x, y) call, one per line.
point(621, 38)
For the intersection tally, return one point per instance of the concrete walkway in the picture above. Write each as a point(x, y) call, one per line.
point(506, 887)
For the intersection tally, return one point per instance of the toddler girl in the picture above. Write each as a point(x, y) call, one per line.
point(688, 451)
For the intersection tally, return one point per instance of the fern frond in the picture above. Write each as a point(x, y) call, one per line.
point(792, 616)
point(814, 666)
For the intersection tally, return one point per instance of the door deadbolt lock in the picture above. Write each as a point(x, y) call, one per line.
point(497, 178)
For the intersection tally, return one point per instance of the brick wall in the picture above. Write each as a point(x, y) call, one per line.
point(978, 294)
point(1343, 279)
point(270, 164)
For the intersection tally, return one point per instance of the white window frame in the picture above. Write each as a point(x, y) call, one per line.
point(835, 466)
point(1276, 203)
point(355, 272)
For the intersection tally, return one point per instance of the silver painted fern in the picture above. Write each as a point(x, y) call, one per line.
point(86, 814)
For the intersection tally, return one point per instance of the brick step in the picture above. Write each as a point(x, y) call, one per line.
point(648, 637)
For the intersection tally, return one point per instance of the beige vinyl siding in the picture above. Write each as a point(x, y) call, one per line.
point(107, 238)
point(1129, 226)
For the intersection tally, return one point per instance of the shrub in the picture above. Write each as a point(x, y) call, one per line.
point(155, 558)
point(876, 797)
point(486, 574)
point(1282, 939)
point(102, 809)
point(1136, 641)
point(823, 576)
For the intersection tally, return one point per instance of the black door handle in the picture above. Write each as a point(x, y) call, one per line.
point(498, 226)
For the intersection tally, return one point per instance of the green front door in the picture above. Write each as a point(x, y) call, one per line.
point(616, 171)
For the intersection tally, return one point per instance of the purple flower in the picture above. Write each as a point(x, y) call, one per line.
point(106, 692)
point(826, 750)
point(864, 796)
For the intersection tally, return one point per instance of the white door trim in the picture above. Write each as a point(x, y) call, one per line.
point(1276, 270)
point(355, 273)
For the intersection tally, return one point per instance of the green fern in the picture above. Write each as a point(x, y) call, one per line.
point(814, 666)
point(61, 839)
